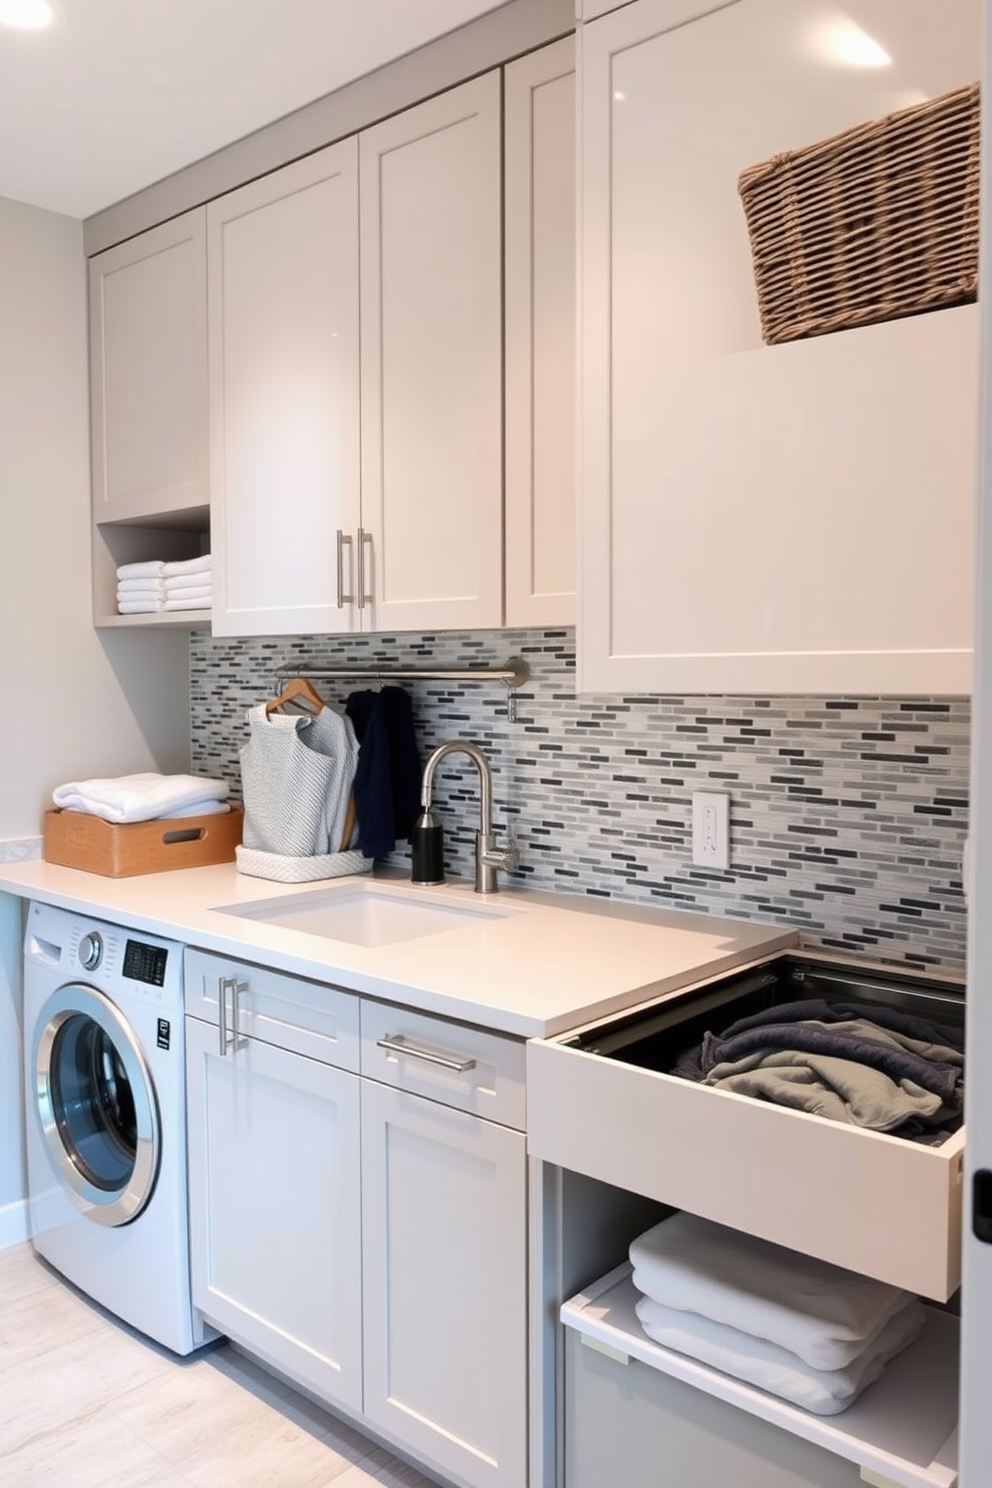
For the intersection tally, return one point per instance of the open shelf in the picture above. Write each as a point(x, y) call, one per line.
point(903, 1428)
point(170, 537)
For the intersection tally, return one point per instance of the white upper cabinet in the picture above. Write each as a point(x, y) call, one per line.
point(355, 381)
point(148, 373)
point(792, 518)
point(430, 550)
point(539, 320)
point(284, 398)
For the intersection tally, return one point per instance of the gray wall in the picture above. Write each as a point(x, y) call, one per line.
point(848, 815)
point(74, 702)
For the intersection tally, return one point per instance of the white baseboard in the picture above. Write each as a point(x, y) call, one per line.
point(14, 1223)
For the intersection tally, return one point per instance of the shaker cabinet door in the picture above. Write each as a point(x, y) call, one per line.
point(758, 518)
point(284, 399)
point(539, 335)
point(444, 1284)
point(432, 362)
point(275, 1194)
point(148, 373)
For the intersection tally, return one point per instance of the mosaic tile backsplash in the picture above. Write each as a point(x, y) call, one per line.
point(847, 815)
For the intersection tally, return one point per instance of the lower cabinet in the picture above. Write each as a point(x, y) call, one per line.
point(275, 1196)
point(444, 1285)
point(358, 1208)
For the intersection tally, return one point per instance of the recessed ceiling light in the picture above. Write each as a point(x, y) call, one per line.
point(26, 15)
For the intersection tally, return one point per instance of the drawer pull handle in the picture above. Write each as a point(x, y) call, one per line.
point(397, 1044)
point(230, 1042)
point(343, 599)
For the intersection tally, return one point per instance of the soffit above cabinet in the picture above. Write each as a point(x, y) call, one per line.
point(380, 88)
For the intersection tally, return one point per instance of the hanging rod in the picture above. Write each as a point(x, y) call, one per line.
point(513, 675)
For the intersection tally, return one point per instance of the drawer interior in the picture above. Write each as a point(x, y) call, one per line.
point(656, 1039)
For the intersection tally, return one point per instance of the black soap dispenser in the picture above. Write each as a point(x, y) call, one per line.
point(428, 850)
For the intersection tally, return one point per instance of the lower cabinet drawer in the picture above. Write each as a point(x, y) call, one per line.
point(454, 1064)
point(287, 1011)
point(879, 1204)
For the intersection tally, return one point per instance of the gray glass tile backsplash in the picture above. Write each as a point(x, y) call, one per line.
point(847, 815)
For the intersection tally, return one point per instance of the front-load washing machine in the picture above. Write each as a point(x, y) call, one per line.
point(106, 1118)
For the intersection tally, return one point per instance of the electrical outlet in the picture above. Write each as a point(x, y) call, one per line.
point(711, 829)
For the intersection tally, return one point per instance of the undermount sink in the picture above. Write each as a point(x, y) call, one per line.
point(362, 915)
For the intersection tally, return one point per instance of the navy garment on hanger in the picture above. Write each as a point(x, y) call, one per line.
point(387, 780)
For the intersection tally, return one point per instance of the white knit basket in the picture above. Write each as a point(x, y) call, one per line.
point(282, 869)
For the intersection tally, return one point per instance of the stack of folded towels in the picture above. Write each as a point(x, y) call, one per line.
point(800, 1328)
point(144, 797)
point(144, 588)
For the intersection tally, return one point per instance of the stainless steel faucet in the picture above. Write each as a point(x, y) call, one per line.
point(488, 857)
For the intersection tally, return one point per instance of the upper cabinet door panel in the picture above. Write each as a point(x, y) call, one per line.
point(284, 395)
point(539, 240)
point(760, 518)
point(431, 361)
point(148, 373)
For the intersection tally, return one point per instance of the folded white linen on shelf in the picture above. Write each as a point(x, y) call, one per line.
point(154, 567)
point(825, 1392)
point(142, 585)
point(202, 564)
point(187, 603)
point(139, 797)
point(139, 606)
point(810, 1307)
point(187, 591)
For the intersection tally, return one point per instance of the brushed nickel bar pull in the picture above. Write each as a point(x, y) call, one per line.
point(230, 1040)
point(364, 539)
point(397, 1044)
point(222, 985)
point(237, 1042)
point(343, 599)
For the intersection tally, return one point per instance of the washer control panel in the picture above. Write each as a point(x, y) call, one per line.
point(111, 958)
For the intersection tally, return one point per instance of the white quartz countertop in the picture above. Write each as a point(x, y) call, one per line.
point(521, 962)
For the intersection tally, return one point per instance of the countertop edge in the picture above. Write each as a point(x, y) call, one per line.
point(204, 926)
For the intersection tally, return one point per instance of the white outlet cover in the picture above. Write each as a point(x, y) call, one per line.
point(711, 829)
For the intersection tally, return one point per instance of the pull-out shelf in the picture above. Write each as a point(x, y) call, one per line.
point(902, 1430)
point(600, 1103)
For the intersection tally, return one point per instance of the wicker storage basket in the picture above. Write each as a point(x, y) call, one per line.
point(878, 222)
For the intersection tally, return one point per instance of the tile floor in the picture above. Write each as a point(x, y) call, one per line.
point(87, 1403)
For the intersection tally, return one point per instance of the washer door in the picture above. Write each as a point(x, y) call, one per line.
point(96, 1104)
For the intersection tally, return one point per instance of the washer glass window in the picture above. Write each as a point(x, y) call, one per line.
point(96, 1105)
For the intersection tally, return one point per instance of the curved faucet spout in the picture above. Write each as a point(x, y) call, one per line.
point(488, 857)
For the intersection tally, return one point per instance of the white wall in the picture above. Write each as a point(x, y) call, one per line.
point(73, 702)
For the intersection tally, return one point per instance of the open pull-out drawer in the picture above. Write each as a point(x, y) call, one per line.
point(600, 1102)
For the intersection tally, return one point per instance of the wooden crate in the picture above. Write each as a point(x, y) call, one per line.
point(75, 839)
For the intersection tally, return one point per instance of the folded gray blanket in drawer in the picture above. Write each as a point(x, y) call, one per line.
point(837, 1089)
point(902, 1047)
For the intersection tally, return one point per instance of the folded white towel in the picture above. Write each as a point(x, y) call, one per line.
point(139, 606)
point(188, 566)
point(140, 797)
point(187, 591)
point(775, 1369)
point(188, 604)
point(154, 567)
point(818, 1311)
point(197, 808)
point(140, 586)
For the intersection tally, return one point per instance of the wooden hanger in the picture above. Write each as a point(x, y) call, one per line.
point(301, 694)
